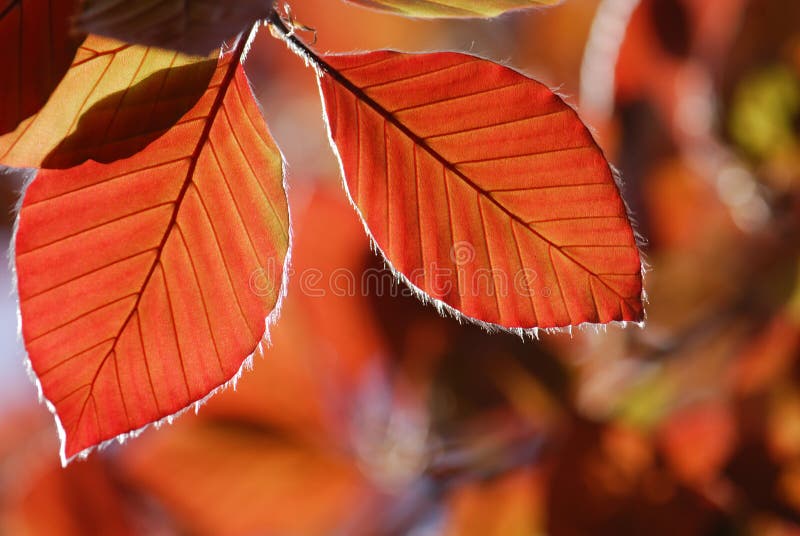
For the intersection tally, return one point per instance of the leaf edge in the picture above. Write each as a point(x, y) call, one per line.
point(448, 311)
point(264, 343)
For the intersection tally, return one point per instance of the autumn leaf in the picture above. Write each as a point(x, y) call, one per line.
point(509, 505)
point(267, 446)
point(313, 350)
point(44, 503)
point(765, 358)
point(697, 441)
point(483, 189)
point(288, 425)
point(270, 485)
point(144, 284)
point(190, 26)
point(114, 100)
point(451, 8)
point(37, 49)
point(46, 499)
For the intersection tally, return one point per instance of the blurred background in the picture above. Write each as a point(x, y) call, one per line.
point(371, 415)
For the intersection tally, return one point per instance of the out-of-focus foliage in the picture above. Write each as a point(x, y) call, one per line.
point(373, 416)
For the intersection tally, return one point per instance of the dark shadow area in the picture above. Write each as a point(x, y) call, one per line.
point(123, 123)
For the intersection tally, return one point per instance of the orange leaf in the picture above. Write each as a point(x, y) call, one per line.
point(483, 189)
point(37, 49)
point(42, 501)
point(240, 480)
point(113, 101)
point(451, 8)
point(313, 349)
point(135, 278)
point(698, 441)
point(508, 505)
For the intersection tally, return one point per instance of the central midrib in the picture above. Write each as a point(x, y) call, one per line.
point(216, 106)
point(388, 116)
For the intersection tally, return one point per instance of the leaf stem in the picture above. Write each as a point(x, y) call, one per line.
point(281, 30)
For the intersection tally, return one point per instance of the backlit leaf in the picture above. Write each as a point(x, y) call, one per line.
point(697, 441)
point(506, 506)
point(243, 481)
point(190, 26)
point(483, 188)
point(115, 99)
point(42, 500)
point(136, 278)
point(37, 49)
point(451, 8)
point(313, 350)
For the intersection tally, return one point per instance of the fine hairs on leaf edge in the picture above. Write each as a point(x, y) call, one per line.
point(441, 307)
point(247, 364)
point(279, 31)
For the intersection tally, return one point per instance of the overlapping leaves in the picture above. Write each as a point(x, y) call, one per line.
point(37, 49)
point(114, 100)
point(152, 306)
point(162, 204)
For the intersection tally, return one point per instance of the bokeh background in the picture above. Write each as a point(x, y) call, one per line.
point(371, 415)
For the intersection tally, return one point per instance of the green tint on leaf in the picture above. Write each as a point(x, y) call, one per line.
point(451, 8)
point(763, 111)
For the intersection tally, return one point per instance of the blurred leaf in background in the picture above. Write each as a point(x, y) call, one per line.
point(371, 415)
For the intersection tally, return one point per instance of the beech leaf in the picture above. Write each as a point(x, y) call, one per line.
point(36, 49)
point(144, 284)
point(190, 26)
point(451, 8)
point(114, 100)
point(483, 189)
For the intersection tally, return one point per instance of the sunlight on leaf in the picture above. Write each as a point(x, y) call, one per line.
point(136, 278)
point(451, 8)
point(125, 122)
point(483, 188)
point(114, 100)
point(271, 486)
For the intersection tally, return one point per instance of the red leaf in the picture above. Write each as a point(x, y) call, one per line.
point(270, 485)
point(313, 348)
point(136, 277)
point(510, 504)
point(44, 501)
point(483, 188)
point(37, 49)
point(698, 441)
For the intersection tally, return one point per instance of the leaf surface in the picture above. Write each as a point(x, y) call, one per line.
point(483, 188)
point(451, 8)
point(114, 100)
point(37, 49)
point(190, 26)
point(313, 349)
point(135, 277)
point(267, 445)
